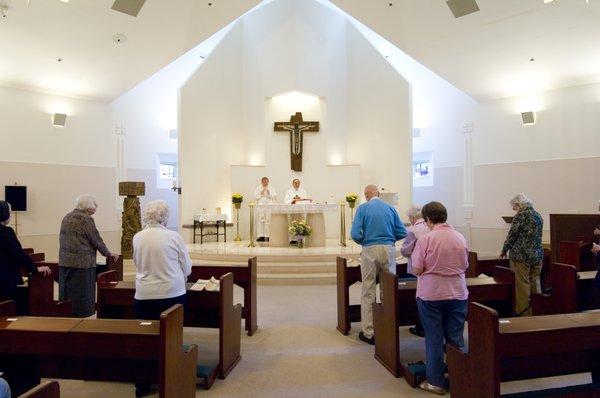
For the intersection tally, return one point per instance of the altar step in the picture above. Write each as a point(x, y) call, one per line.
point(297, 279)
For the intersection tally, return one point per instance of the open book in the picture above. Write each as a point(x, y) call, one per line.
point(210, 285)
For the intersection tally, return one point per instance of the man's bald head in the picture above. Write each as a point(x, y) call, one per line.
point(371, 191)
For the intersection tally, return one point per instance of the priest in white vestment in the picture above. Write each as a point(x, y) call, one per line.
point(264, 194)
point(295, 192)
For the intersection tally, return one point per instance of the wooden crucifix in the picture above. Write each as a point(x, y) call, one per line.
point(296, 127)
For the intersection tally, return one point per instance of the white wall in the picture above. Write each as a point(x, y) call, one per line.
point(229, 105)
point(57, 164)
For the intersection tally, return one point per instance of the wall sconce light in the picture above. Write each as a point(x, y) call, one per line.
point(528, 118)
point(59, 119)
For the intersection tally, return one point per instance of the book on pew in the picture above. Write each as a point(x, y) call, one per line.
point(210, 285)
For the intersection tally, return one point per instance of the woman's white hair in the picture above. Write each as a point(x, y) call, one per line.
point(521, 200)
point(414, 211)
point(86, 202)
point(156, 212)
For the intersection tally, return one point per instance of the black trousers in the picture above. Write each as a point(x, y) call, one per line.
point(151, 309)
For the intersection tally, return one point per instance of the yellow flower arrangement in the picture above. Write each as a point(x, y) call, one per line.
point(300, 228)
point(237, 198)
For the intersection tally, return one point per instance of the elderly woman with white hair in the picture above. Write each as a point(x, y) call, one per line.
point(162, 261)
point(524, 247)
point(79, 242)
point(163, 265)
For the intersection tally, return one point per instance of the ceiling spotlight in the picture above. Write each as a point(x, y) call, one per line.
point(119, 38)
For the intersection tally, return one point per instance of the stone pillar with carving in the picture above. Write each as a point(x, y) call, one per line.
point(131, 220)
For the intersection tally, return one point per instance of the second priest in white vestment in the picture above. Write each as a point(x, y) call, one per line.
point(264, 194)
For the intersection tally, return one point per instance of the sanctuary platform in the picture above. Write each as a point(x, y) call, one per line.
point(279, 265)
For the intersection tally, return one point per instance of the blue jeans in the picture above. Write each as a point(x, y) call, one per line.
point(443, 321)
point(4, 389)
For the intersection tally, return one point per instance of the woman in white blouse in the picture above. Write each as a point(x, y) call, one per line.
point(162, 261)
point(163, 265)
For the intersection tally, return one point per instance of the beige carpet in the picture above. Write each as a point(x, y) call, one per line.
point(297, 352)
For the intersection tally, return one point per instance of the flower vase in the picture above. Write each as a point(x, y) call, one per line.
point(300, 241)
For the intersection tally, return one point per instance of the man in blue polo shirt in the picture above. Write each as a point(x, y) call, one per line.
point(376, 227)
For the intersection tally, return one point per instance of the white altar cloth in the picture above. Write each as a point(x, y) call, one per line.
point(210, 217)
point(280, 221)
point(277, 208)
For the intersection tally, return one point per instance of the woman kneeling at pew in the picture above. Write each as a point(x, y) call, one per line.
point(163, 265)
point(439, 260)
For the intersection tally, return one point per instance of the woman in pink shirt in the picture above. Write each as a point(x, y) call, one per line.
point(440, 260)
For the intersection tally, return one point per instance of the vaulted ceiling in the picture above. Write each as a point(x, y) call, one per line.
point(486, 54)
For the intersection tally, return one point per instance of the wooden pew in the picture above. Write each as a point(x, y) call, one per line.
point(36, 298)
point(347, 276)
point(97, 349)
point(48, 389)
point(572, 291)
point(399, 308)
point(28, 250)
point(202, 309)
point(577, 253)
point(244, 277)
point(37, 257)
point(111, 265)
point(524, 348)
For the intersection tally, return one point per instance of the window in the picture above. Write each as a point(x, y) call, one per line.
point(168, 171)
point(421, 169)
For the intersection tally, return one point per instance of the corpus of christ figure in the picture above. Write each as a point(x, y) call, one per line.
point(296, 127)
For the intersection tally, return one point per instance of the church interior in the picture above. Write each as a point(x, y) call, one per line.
point(269, 164)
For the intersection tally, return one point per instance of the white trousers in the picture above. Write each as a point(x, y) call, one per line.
point(373, 260)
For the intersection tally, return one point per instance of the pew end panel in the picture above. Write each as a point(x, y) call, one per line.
point(385, 323)
point(229, 328)
point(541, 304)
point(346, 277)
point(475, 374)
point(250, 311)
point(8, 308)
point(177, 372)
point(104, 302)
point(343, 299)
point(244, 277)
point(472, 270)
point(507, 275)
point(40, 299)
point(47, 389)
point(115, 265)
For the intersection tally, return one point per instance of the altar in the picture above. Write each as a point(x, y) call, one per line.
point(280, 221)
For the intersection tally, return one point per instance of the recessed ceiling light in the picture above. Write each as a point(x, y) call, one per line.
point(59, 59)
point(64, 1)
point(119, 38)
point(548, 1)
